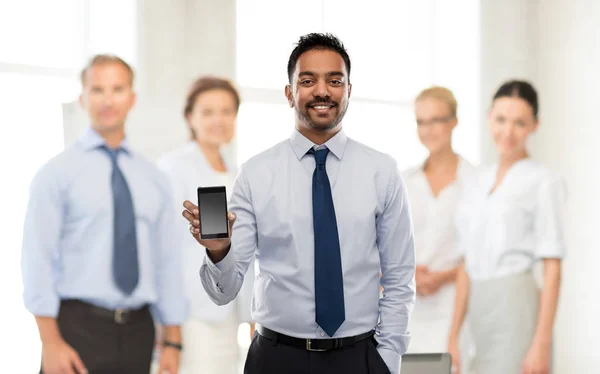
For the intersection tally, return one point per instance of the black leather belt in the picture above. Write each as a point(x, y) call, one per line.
point(320, 345)
point(119, 316)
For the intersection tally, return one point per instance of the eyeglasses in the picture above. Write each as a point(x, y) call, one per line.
point(434, 121)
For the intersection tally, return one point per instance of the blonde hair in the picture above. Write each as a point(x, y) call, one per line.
point(442, 94)
point(106, 59)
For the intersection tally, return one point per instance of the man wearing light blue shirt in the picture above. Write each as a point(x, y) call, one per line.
point(324, 215)
point(98, 248)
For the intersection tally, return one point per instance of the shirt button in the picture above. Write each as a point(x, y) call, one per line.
point(322, 334)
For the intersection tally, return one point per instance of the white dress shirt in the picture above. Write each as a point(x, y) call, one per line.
point(436, 246)
point(272, 199)
point(436, 236)
point(188, 169)
point(507, 231)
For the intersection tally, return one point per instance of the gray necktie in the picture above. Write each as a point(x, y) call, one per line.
point(125, 256)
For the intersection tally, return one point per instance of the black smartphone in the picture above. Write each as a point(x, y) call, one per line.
point(212, 206)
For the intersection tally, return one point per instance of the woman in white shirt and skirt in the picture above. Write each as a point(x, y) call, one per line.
point(434, 190)
point(209, 336)
point(510, 218)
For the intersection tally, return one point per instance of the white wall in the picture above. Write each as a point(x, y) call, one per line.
point(177, 43)
point(568, 79)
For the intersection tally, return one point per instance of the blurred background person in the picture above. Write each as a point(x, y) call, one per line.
point(434, 190)
point(98, 243)
point(511, 217)
point(210, 333)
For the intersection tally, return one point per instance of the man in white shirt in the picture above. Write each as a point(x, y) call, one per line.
point(323, 214)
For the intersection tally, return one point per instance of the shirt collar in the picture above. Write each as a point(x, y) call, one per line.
point(420, 169)
point(301, 145)
point(91, 140)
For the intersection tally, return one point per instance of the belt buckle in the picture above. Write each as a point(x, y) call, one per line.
point(119, 316)
point(310, 348)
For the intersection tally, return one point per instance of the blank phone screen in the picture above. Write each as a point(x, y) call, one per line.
point(213, 213)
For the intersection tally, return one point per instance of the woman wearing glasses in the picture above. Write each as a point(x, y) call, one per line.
point(434, 190)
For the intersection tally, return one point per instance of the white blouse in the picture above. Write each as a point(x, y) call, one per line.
point(507, 231)
point(435, 234)
point(188, 169)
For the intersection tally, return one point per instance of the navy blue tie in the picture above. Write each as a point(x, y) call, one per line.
point(125, 257)
point(329, 281)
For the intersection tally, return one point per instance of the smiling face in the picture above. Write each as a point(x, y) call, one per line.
point(319, 91)
point(213, 117)
point(511, 121)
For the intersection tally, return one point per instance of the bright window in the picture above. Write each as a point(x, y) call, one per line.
point(387, 43)
point(112, 28)
point(42, 33)
point(266, 33)
point(262, 118)
point(370, 123)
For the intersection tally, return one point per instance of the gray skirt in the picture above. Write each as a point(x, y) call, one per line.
point(503, 315)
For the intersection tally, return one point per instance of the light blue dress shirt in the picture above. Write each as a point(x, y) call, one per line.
point(272, 199)
point(68, 239)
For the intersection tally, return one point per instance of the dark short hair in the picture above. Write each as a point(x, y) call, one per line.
point(521, 89)
point(102, 59)
point(320, 41)
point(204, 84)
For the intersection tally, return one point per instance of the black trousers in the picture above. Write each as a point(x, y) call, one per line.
point(105, 346)
point(268, 357)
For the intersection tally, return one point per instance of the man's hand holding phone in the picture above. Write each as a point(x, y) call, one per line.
point(217, 248)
